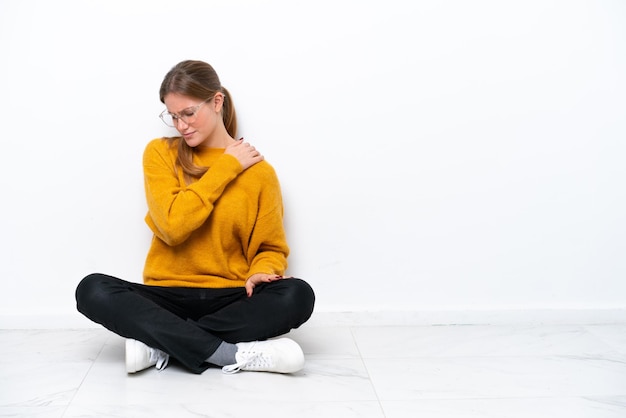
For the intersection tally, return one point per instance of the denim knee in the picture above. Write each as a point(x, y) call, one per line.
point(301, 298)
point(91, 293)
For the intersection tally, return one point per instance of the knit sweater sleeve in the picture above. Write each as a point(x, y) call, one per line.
point(268, 244)
point(175, 210)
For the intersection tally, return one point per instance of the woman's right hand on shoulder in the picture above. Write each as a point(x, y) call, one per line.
point(245, 153)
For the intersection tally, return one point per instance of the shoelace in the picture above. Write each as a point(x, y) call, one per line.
point(160, 357)
point(251, 360)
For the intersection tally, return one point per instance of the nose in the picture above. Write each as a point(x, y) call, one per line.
point(178, 123)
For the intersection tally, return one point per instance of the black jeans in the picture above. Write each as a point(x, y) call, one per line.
point(190, 323)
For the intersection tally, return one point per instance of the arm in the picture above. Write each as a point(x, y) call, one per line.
point(271, 256)
point(268, 243)
point(176, 210)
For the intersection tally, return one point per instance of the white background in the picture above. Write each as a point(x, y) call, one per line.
point(434, 155)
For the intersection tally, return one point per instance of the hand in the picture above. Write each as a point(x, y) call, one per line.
point(245, 153)
point(259, 278)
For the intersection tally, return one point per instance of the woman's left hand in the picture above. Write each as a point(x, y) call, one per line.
point(259, 278)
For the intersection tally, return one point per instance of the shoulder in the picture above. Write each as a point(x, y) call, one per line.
point(266, 179)
point(162, 144)
point(260, 177)
point(266, 186)
point(159, 148)
point(263, 170)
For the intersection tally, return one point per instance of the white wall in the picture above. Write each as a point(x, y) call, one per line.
point(434, 155)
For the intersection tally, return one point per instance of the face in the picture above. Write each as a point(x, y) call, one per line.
point(196, 120)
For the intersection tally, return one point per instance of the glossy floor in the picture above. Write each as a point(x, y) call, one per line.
point(425, 371)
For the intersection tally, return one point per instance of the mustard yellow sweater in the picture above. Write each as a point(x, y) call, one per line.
point(217, 231)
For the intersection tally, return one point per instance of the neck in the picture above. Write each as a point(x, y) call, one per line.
point(219, 139)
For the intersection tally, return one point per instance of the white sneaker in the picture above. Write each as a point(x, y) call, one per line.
point(278, 356)
point(139, 356)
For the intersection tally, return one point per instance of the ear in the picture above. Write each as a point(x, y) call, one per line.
point(218, 102)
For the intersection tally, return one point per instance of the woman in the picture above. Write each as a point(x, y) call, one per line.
point(214, 291)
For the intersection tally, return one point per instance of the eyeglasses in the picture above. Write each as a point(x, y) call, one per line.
point(188, 115)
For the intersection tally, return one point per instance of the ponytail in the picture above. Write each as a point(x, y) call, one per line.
point(228, 114)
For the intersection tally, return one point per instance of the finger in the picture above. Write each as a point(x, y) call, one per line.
point(249, 288)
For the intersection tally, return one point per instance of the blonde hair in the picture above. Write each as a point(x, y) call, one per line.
point(196, 79)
